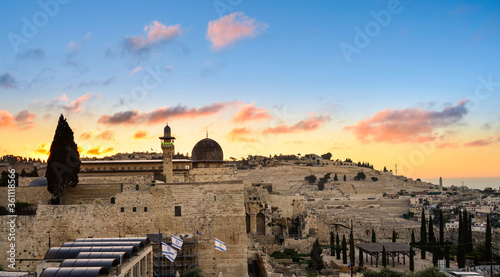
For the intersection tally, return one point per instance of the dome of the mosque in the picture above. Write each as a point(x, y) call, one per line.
point(207, 150)
point(38, 182)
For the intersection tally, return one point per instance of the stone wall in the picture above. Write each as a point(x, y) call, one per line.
point(32, 195)
point(215, 209)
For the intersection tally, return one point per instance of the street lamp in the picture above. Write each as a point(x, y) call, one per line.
point(47, 232)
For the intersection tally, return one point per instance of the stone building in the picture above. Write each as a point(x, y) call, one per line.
point(132, 198)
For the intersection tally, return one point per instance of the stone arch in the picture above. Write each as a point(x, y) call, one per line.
point(112, 200)
point(247, 216)
point(261, 224)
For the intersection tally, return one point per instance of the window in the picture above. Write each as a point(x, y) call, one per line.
point(178, 211)
point(122, 209)
point(136, 187)
point(215, 197)
point(112, 200)
point(145, 209)
point(134, 209)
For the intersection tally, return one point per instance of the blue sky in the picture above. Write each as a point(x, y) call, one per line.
point(280, 62)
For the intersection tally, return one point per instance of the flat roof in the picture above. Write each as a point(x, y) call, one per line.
point(134, 161)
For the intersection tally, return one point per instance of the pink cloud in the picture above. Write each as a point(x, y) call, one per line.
point(155, 33)
point(141, 135)
point(241, 134)
point(24, 119)
point(161, 115)
point(310, 124)
point(407, 125)
point(106, 135)
point(137, 69)
point(77, 105)
point(226, 30)
point(480, 142)
point(7, 119)
point(250, 112)
point(62, 98)
point(86, 135)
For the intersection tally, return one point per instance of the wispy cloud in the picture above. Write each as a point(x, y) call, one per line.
point(106, 135)
point(137, 69)
point(154, 35)
point(480, 142)
point(241, 135)
point(249, 113)
point(23, 120)
point(75, 46)
point(141, 135)
point(31, 54)
point(77, 105)
point(7, 81)
point(92, 83)
point(407, 125)
point(226, 30)
point(310, 124)
point(42, 149)
point(98, 150)
point(161, 115)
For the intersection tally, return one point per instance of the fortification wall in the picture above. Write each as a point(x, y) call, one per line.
point(32, 195)
point(215, 209)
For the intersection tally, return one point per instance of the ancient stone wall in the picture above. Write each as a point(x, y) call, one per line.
point(32, 195)
point(215, 209)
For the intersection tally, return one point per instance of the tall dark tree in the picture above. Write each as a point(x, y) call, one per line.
point(63, 164)
point(447, 255)
point(316, 261)
point(393, 235)
point(374, 238)
point(412, 238)
point(461, 242)
point(487, 243)
point(441, 228)
point(469, 246)
point(352, 251)
point(384, 257)
point(335, 178)
point(332, 244)
point(412, 257)
point(423, 235)
point(432, 239)
point(345, 178)
point(338, 246)
point(344, 250)
point(360, 257)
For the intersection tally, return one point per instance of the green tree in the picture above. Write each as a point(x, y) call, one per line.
point(316, 261)
point(393, 235)
point(423, 235)
point(384, 257)
point(412, 259)
point(196, 272)
point(412, 238)
point(374, 238)
point(335, 178)
point(487, 241)
point(360, 257)
point(63, 164)
point(338, 246)
point(352, 250)
point(311, 179)
point(327, 156)
point(469, 246)
point(431, 271)
point(344, 250)
point(360, 176)
point(432, 239)
point(384, 272)
point(332, 244)
point(441, 228)
point(345, 178)
point(461, 242)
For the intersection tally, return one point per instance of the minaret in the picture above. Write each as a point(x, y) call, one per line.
point(441, 183)
point(167, 146)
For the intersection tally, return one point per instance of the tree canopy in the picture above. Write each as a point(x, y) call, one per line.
point(63, 164)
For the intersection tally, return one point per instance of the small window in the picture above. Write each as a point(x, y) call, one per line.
point(178, 211)
point(215, 197)
point(122, 209)
point(136, 187)
point(112, 200)
point(134, 209)
point(145, 209)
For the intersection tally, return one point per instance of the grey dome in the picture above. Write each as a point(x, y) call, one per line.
point(207, 150)
point(38, 182)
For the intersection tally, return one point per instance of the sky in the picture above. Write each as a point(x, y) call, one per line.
point(407, 84)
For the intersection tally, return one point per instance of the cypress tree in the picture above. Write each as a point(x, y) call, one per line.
point(63, 164)
point(470, 247)
point(338, 246)
point(316, 261)
point(423, 235)
point(352, 251)
point(345, 178)
point(360, 257)
point(487, 243)
point(412, 238)
point(447, 255)
point(441, 228)
point(461, 242)
point(344, 250)
point(374, 238)
point(393, 235)
point(332, 244)
point(412, 262)
point(432, 239)
point(384, 257)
